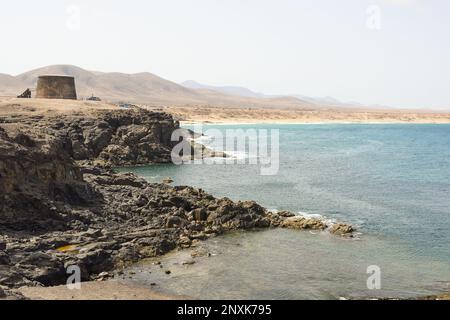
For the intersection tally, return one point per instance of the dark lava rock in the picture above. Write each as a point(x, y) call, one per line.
point(43, 268)
point(4, 258)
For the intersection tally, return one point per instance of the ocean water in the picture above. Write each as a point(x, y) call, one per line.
point(392, 181)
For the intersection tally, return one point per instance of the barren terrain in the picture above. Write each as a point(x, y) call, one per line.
point(210, 114)
point(205, 114)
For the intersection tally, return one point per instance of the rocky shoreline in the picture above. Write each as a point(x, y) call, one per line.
point(62, 205)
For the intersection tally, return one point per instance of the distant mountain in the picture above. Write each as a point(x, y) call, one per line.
point(11, 86)
point(244, 92)
point(114, 86)
point(232, 90)
point(147, 88)
point(325, 100)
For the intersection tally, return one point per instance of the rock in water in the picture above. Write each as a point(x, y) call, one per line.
point(341, 229)
point(302, 223)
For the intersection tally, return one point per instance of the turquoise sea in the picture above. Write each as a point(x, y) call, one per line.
point(390, 180)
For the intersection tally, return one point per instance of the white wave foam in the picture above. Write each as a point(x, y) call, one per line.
point(204, 140)
point(212, 143)
point(329, 222)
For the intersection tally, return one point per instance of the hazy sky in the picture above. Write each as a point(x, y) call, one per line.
point(390, 52)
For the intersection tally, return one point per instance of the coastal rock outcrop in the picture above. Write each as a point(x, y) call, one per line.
point(341, 229)
point(108, 138)
point(302, 223)
point(61, 206)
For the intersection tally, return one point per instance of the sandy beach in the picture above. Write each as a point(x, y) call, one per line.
point(207, 114)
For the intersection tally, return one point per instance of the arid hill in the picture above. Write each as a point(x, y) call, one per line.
point(11, 86)
point(145, 88)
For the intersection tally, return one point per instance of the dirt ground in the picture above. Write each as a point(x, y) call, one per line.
point(97, 290)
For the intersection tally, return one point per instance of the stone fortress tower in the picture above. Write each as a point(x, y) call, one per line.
point(56, 87)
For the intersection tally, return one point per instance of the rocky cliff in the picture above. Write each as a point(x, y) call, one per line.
point(112, 137)
point(60, 204)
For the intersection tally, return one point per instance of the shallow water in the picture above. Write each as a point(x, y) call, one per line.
point(392, 181)
point(286, 264)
